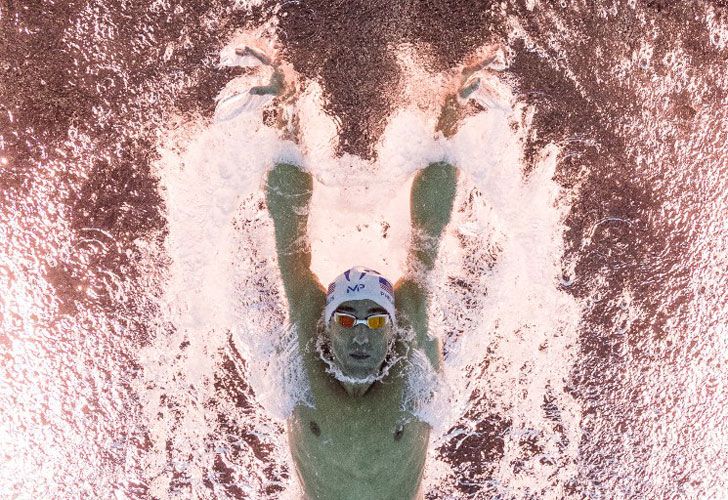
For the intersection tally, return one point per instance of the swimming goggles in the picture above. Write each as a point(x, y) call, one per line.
point(374, 321)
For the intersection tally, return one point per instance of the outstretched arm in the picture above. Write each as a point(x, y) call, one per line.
point(288, 195)
point(431, 202)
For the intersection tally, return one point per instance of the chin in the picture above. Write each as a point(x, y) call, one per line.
point(358, 372)
point(361, 373)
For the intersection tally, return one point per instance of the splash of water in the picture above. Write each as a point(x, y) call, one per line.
point(495, 296)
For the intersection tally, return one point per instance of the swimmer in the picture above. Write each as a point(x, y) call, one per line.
point(357, 441)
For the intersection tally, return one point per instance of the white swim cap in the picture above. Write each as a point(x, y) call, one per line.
point(360, 283)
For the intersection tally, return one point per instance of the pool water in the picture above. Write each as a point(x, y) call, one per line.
point(579, 294)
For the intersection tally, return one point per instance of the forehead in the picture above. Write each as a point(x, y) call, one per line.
point(366, 306)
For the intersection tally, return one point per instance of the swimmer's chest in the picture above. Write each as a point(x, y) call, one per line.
point(358, 447)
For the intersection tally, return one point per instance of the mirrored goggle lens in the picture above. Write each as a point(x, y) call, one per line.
point(377, 321)
point(345, 320)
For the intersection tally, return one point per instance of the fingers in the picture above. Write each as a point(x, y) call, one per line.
point(250, 51)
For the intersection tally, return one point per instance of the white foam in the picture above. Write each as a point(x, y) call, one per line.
point(211, 178)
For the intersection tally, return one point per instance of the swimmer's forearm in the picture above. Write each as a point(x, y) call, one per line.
point(288, 193)
point(433, 193)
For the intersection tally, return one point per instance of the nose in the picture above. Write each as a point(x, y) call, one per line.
point(360, 335)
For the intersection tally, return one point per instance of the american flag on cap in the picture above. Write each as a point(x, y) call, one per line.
point(360, 283)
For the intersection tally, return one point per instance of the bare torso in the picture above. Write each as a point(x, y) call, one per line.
point(355, 447)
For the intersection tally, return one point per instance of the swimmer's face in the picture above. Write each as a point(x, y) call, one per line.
point(360, 351)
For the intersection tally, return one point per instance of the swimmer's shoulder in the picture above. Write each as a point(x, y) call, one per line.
point(309, 304)
point(410, 302)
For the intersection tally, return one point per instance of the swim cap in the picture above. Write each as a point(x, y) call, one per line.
point(360, 283)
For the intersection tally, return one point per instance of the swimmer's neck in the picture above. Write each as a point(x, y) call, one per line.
point(356, 389)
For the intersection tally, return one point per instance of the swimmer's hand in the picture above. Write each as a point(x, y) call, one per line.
point(472, 95)
point(276, 99)
point(277, 82)
point(283, 87)
point(457, 107)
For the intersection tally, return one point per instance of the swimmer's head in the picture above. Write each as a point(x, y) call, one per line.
point(360, 346)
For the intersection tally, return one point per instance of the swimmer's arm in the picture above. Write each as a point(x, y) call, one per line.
point(431, 202)
point(288, 194)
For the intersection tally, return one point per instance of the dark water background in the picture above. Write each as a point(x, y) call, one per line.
point(86, 88)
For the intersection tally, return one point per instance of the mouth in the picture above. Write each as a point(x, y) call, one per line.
point(359, 356)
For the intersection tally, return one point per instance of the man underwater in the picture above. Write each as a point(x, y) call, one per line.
point(357, 441)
